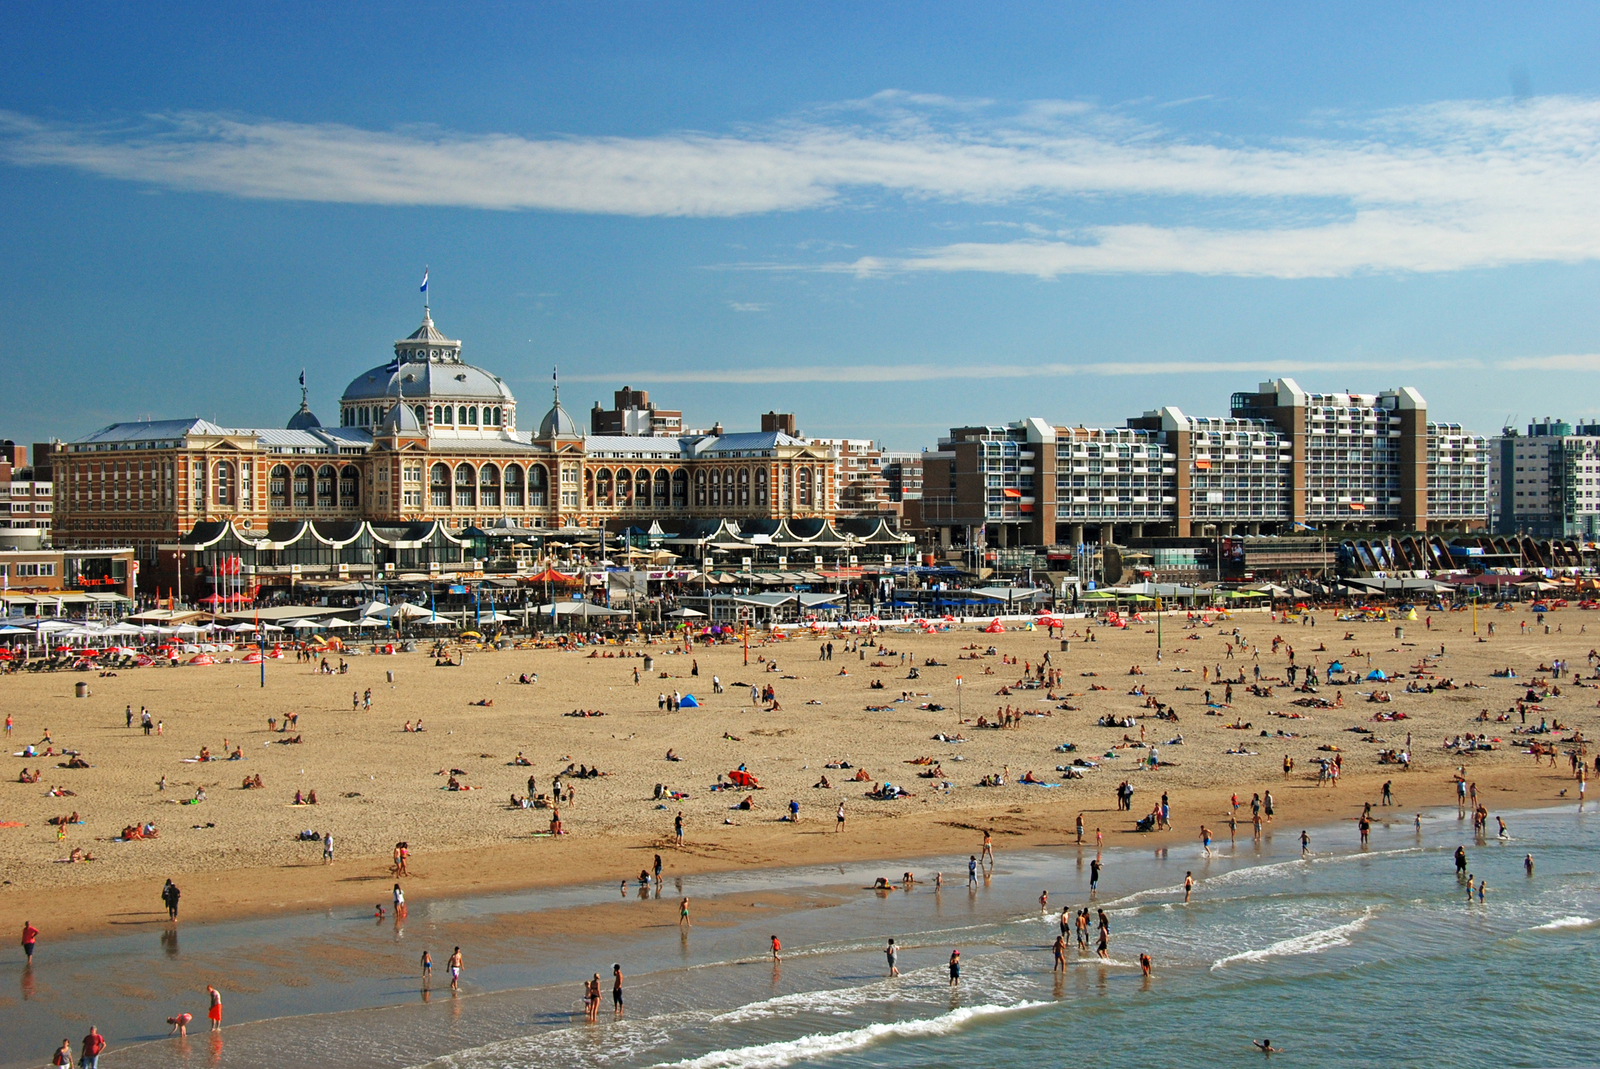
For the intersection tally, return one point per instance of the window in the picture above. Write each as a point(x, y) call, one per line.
point(222, 484)
point(471, 419)
point(466, 486)
point(302, 487)
point(441, 486)
point(325, 489)
point(33, 571)
point(538, 484)
point(489, 486)
point(349, 486)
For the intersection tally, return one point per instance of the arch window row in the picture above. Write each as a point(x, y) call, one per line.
point(468, 416)
point(467, 486)
point(306, 487)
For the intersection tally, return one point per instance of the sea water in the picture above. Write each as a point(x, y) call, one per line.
point(1348, 956)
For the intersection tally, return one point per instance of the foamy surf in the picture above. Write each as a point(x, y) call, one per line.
point(789, 1051)
point(1309, 943)
point(1563, 922)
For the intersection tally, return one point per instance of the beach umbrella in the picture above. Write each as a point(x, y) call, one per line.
point(8, 630)
point(373, 621)
point(684, 614)
point(241, 627)
point(342, 623)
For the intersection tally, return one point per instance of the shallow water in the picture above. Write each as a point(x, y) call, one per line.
point(1363, 958)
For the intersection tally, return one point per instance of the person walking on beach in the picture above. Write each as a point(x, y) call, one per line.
point(63, 1055)
point(1094, 877)
point(427, 970)
point(1144, 964)
point(169, 895)
point(1527, 865)
point(30, 936)
point(972, 870)
point(1305, 843)
point(1059, 949)
point(658, 869)
point(777, 948)
point(683, 913)
point(955, 967)
point(214, 1013)
point(1205, 839)
point(89, 1052)
point(839, 818)
point(677, 828)
point(1080, 829)
point(455, 969)
point(616, 990)
point(1266, 804)
point(892, 952)
point(988, 848)
point(327, 848)
point(1188, 885)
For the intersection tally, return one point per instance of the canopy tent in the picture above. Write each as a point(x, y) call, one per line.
point(303, 625)
point(405, 611)
point(373, 621)
point(685, 614)
point(550, 575)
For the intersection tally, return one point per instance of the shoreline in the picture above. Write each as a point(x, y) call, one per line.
point(524, 866)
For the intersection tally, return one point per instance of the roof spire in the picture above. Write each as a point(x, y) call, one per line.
point(555, 383)
point(303, 405)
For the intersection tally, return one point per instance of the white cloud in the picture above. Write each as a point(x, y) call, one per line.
point(866, 373)
point(749, 306)
point(1439, 188)
point(1571, 362)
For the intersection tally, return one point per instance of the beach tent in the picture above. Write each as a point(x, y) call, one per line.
point(1336, 666)
point(684, 614)
point(995, 627)
point(1377, 674)
point(740, 778)
point(688, 702)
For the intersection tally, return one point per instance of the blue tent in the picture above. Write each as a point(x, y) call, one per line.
point(688, 702)
point(1377, 673)
point(1336, 666)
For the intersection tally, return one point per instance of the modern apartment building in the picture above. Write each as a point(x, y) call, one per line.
point(1547, 481)
point(1284, 459)
point(27, 499)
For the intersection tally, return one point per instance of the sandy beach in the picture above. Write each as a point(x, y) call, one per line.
point(237, 853)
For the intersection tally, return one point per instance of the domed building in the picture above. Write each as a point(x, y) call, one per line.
point(449, 397)
point(425, 439)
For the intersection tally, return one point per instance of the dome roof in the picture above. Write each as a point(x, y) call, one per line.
point(427, 366)
point(303, 420)
point(400, 422)
point(557, 424)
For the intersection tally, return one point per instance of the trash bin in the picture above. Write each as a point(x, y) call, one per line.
point(81, 689)
point(1399, 632)
point(1066, 644)
point(390, 674)
point(649, 663)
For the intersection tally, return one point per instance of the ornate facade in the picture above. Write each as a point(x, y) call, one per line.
point(424, 437)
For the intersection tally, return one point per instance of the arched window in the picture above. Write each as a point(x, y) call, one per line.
point(349, 486)
point(461, 415)
point(761, 487)
point(641, 489)
point(680, 489)
point(538, 485)
point(624, 488)
point(714, 498)
point(466, 486)
point(278, 487)
point(744, 488)
point(699, 489)
point(421, 412)
point(804, 486)
point(499, 417)
point(302, 487)
point(661, 494)
point(588, 488)
point(602, 487)
point(513, 486)
point(472, 416)
point(441, 415)
point(439, 481)
point(222, 483)
point(325, 488)
point(489, 486)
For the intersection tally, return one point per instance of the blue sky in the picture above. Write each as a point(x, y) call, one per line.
point(888, 219)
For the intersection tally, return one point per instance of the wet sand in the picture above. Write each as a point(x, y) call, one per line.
point(377, 784)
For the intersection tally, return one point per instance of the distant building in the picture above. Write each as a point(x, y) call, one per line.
point(425, 441)
point(1283, 460)
point(632, 413)
point(1547, 481)
point(27, 498)
point(862, 489)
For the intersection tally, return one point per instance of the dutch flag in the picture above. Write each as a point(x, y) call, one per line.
point(424, 281)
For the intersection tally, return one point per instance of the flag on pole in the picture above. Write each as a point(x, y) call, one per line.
point(424, 281)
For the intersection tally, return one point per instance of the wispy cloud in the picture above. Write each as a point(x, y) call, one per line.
point(1444, 187)
point(1569, 362)
point(864, 373)
point(749, 306)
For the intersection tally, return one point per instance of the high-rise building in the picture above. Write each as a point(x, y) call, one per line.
point(1547, 481)
point(1283, 460)
point(27, 498)
point(633, 413)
